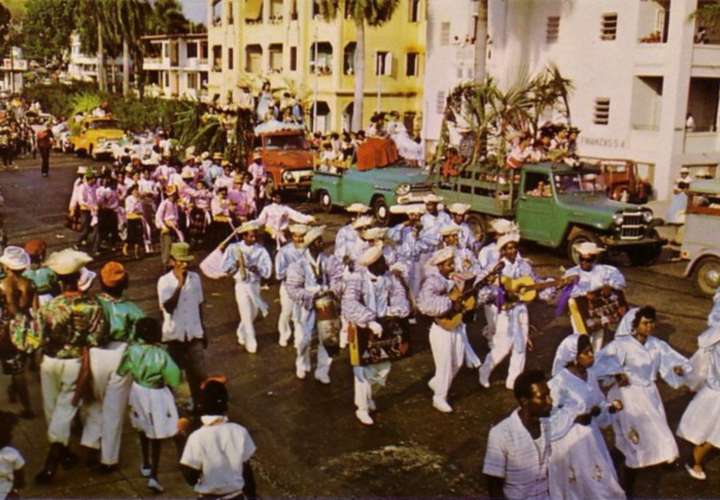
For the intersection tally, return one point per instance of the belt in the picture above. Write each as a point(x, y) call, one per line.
point(221, 218)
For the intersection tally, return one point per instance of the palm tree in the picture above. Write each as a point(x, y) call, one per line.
point(373, 13)
point(167, 18)
point(93, 14)
point(128, 22)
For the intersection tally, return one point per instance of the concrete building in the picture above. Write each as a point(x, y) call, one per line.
point(178, 64)
point(83, 67)
point(287, 43)
point(11, 71)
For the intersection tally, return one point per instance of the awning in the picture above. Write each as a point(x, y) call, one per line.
point(253, 9)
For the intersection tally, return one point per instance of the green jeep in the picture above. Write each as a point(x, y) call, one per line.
point(379, 188)
point(556, 206)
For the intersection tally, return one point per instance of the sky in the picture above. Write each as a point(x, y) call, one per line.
point(195, 10)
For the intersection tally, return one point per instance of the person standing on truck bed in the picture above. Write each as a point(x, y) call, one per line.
point(432, 221)
point(466, 238)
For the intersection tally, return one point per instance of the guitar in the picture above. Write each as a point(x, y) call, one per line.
point(466, 297)
point(525, 289)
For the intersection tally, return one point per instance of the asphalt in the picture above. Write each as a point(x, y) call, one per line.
point(308, 440)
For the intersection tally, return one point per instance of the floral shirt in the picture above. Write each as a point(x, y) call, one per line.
point(70, 322)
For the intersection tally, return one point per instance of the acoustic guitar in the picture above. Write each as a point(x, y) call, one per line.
point(466, 296)
point(525, 288)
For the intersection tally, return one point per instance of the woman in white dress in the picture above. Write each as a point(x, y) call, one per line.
point(580, 464)
point(700, 423)
point(407, 147)
point(636, 358)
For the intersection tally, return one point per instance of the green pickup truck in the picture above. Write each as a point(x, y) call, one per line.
point(378, 188)
point(555, 206)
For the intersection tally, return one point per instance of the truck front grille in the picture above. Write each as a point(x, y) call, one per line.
point(633, 226)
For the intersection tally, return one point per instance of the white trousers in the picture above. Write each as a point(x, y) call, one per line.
point(304, 334)
point(104, 416)
point(490, 319)
point(448, 350)
point(286, 319)
point(57, 379)
point(246, 295)
point(364, 378)
point(511, 335)
point(472, 360)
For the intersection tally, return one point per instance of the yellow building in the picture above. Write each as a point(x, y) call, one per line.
point(289, 44)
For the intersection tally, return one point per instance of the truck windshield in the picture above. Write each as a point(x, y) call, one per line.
point(286, 142)
point(574, 183)
point(102, 124)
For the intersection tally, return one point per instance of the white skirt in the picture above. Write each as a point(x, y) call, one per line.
point(580, 466)
point(153, 411)
point(699, 423)
point(641, 430)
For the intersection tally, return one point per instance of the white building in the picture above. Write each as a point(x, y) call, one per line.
point(177, 64)
point(636, 70)
point(11, 71)
point(83, 66)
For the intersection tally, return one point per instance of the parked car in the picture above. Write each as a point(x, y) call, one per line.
point(621, 180)
point(701, 241)
point(377, 186)
point(97, 137)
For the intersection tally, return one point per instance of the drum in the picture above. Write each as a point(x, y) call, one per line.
point(368, 349)
point(598, 310)
point(327, 321)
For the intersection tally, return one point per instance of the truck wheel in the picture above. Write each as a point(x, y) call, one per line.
point(325, 201)
point(381, 211)
point(707, 275)
point(479, 226)
point(581, 236)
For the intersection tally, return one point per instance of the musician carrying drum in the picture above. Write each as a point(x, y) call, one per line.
point(376, 306)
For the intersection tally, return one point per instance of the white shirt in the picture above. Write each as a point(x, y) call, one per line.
point(219, 452)
point(10, 461)
point(184, 323)
point(512, 454)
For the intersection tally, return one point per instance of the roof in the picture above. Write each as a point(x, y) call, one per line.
point(710, 186)
point(191, 36)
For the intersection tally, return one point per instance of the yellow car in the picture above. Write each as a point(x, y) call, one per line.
point(96, 137)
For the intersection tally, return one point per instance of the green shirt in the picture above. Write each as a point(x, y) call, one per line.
point(70, 322)
point(150, 366)
point(44, 279)
point(121, 316)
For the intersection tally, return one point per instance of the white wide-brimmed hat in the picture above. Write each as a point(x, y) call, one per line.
point(67, 261)
point(298, 229)
point(374, 233)
point(442, 255)
point(449, 230)
point(313, 234)
point(247, 227)
point(15, 258)
point(187, 173)
point(432, 198)
point(512, 237)
point(458, 208)
point(410, 208)
point(588, 248)
point(502, 226)
point(370, 256)
point(86, 279)
point(363, 221)
point(357, 208)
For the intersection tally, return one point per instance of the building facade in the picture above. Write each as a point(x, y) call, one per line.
point(177, 65)
point(11, 71)
point(646, 86)
point(287, 43)
point(83, 67)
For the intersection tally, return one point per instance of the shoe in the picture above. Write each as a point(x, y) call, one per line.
point(300, 373)
point(154, 485)
point(145, 471)
point(264, 287)
point(45, 476)
point(483, 380)
point(252, 349)
point(69, 459)
point(364, 417)
point(107, 469)
point(371, 405)
point(283, 343)
point(323, 379)
point(241, 340)
point(700, 476)
point(442, 405)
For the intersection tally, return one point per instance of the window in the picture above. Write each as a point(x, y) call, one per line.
point(192, 81)
point(230, 58)
point(276, 57)
point(349, 59)
point(608, 29)
point(276, 11)
point(217, 13)
point(601, 114)
point(203, 50)
point(253, 58)
point(321, 57)
point(217, 58)
point(293, 58)
point(315, 8)
point(440, 103)
point(348, 10)
point(192, 50)
point(167, 78)
point(383, 63)
point(552, 29)
point(444, 33)
point(414, 11)
point(537, 185)
point(230, 14)
point(412, 64)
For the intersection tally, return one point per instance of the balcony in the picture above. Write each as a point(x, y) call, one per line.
point(706, 60)
point(701, 142)
point(650, 58)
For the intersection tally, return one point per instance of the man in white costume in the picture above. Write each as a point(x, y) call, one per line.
point(589, 276)
point(288, 254)
point(372, 293)
point(466, 238)
point(635, 357)
point(276, 217)
point(408, 245)
point(248, 262)
point(315, 273)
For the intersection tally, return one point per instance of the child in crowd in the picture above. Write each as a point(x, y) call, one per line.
point(153, 412)
point(12, 477)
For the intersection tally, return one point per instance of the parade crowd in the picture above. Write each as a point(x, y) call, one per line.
point(101, 358)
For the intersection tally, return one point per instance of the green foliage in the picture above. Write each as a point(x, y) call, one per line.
point(84, 102)
point(5, 19)
point(707, 14)
point(370, 12)
point(42, 43)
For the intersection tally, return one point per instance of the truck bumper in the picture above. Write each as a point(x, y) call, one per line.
point(617, 244)
point(294, 187)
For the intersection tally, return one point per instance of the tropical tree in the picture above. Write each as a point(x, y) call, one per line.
point(5, 21)
point(167, 18)
point(373, 13)
point(126, 24)
point(45, 44)
point(708, 13)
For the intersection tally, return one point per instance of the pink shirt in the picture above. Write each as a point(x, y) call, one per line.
point(166, 212)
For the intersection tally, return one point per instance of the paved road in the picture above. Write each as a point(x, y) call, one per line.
point(309, 442)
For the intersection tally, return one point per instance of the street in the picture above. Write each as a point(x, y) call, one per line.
point(309, 442)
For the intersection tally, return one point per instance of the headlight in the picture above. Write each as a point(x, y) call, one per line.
point(287, 176)
point(101, 141)
point(617, 219)
point(402, 189)
point(648, 216)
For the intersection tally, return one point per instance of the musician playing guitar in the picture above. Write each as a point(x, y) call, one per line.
point(518, 284)
point(372, 294)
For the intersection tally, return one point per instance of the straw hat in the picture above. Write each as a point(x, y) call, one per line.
point(248, 227)
point(81, 170)
point(67, 261)
point(35, 248)
point(458, 208)
point(512, 237)
point(370, 256)
point(15, 258)
point(449, 230)
point(588, 248)
point(502, 226)
point(432, 198)
point(363, 221)
point(442, 255)
point(217, 156)
point(357, 208)
point(313, 234)
point(374, 233)
point(298, 228)
point(187, 173)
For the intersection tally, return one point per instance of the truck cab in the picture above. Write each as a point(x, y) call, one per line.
point(286, 156)
point(701, 241)
point(555, 207)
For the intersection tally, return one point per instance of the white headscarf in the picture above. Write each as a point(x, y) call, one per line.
point(625, 327)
